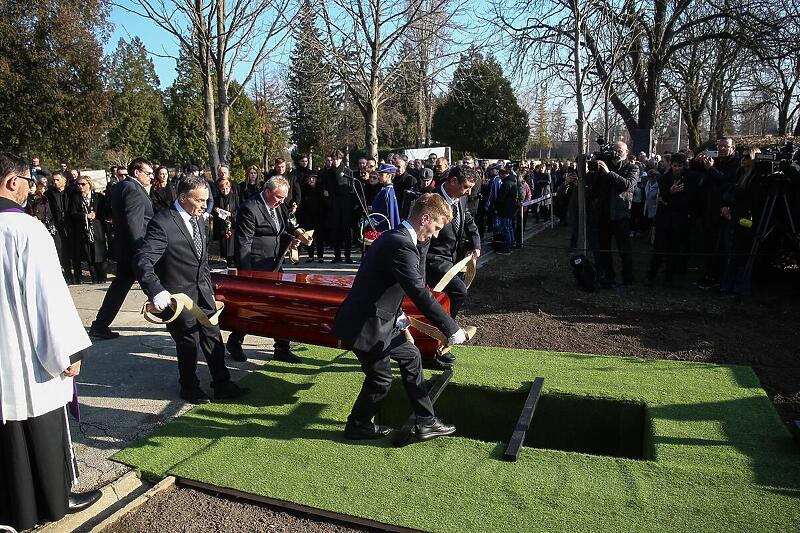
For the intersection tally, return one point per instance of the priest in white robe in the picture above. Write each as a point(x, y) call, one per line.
point(42, 343)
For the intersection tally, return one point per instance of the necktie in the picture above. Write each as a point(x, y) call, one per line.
point(198, 241)
point(456, 217)
point(274, 216)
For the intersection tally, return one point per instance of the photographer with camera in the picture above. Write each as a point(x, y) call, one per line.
point(720, 172)
point(610, 182)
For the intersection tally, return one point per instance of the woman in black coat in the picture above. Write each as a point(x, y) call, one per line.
point(162, 194)
point(226, 203)
point(88, 232)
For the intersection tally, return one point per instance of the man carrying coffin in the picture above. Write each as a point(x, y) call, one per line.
point(173, 259)
point(42, 343)
point(264, 232)
point(371, 322)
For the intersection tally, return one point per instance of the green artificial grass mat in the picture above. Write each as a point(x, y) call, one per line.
point(700, 447)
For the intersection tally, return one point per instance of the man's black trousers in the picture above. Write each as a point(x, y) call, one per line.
point(377, 366)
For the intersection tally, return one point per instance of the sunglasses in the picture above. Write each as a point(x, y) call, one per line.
point(30, 180)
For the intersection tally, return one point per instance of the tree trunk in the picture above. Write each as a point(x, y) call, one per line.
point(580, 121)
point(223, 107)
point(371, 130)
point(210, 119)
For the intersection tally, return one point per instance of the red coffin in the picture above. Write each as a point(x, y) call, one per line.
point(298, 307)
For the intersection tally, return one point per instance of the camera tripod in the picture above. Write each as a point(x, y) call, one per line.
point(777, 196)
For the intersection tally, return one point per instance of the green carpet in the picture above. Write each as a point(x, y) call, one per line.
point(712, 452)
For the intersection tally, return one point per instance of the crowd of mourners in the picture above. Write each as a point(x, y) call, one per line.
point(684, 204)
point(668, 200)
point(347, 207)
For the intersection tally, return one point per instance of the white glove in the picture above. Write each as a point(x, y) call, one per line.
point(161, 301)
point(402, 322)
point(459, 337)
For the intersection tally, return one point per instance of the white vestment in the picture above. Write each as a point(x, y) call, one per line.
point(39, 326)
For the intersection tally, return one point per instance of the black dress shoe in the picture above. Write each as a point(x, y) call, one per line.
point(434, 429)
point(103, 333)
point(365, 432)
point(286, 357)
point(235, 349)
point(229, 390)
point(79, 502)
point(447, 358)
point(194, 395)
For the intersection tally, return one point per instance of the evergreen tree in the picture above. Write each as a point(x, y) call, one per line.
point(247, 144)
point(185, 115)
point(312, 114)
point(51, 78)
point(541, 133)
point(480, 114)
point(138, 124)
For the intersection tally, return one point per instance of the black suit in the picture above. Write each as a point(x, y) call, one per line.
point(59, 207)
point(131, 210)
point(259, 242)
point(443, 253)
point(366, 322)
point(259, 245)
point(167, 261)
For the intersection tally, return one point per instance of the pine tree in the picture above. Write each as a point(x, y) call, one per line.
point(312, 114)
point(480, 114)
point(138, 121)
point(541, 131)
point(247, 144)
point(185, 116)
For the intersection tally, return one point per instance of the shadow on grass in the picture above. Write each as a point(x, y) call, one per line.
point(751, 426)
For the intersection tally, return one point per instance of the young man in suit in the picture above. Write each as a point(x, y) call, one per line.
point(131, 210)
point(173, 258)
point(263, 235)
point(371, 322)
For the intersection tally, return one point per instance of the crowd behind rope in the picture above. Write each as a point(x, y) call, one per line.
point(665, 199)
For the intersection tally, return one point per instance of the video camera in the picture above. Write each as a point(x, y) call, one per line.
point(778, 162)
point(605, 154)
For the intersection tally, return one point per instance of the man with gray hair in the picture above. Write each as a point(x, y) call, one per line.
point(264, 233)
point(173, 259)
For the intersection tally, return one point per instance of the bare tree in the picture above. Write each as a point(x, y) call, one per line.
point(365, 41)
point(549, 34)
point(219, 36)
point(659, 29)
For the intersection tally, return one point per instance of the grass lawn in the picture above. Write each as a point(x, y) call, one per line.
point(617, 444)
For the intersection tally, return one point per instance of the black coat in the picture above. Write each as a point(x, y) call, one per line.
point(131, 211)
point(311, 214)
point(258, 243)
point(59, 207)
point(389, 271)
point(228, 203)
point(167, 260)
point(248, 190)
point(96, 250)
point(162, 198)
point(444, 250)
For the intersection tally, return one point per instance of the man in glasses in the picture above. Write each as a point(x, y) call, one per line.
point(131, 211)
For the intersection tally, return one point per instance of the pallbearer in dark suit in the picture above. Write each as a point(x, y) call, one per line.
point(263, 234)
point(371, 322)
point(173, 258)
point(131, 210)
point(446, 249)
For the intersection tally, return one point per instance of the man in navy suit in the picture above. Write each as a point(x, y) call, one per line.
point(371, 322)
point(173, 258)
point(263, 234)
point(131, 210)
